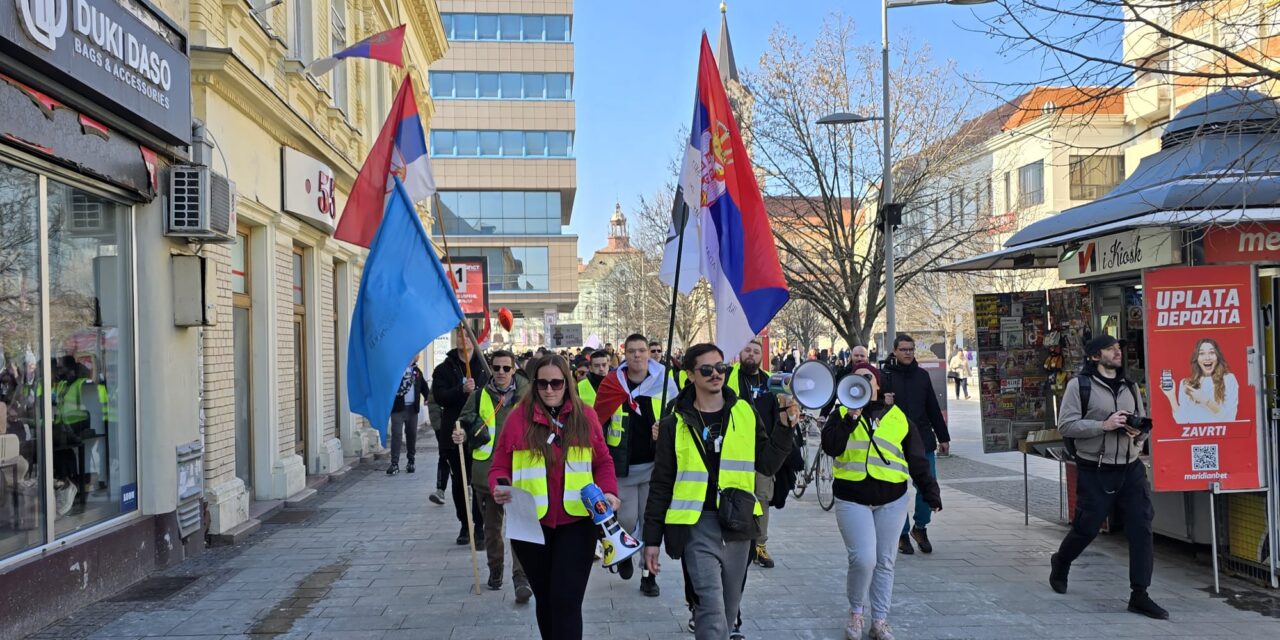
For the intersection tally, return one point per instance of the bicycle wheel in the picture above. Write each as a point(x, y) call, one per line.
point(804, 475)
point(826, 498)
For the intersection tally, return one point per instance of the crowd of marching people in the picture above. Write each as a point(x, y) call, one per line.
point(695, 476)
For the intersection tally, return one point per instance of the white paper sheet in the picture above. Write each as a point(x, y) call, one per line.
point(522, 518)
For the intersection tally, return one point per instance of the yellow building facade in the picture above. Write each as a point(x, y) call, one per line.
point(274, 403)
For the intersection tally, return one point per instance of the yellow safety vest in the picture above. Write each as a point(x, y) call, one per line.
point(529, 472)
point(733, 380)
point(680, 377)
point(615, 430)
point(71, 409)
point(860, 460)
point(737, 465)
point(108, 404)
point(489, 414)
point(586, 392)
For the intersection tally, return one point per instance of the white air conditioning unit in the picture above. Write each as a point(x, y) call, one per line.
point(201, 205)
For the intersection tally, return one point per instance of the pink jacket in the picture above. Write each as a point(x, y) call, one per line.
point(513, 437)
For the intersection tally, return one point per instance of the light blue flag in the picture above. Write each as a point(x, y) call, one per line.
point(405, 302)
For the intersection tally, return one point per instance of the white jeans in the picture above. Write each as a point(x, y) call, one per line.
point(871, 540)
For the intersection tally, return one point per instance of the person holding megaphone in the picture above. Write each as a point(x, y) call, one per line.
point(877, 451)
point(552, 446)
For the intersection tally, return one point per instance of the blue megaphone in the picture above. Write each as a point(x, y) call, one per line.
point(618, 545)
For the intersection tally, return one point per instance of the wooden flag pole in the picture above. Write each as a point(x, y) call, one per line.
point(462, 448)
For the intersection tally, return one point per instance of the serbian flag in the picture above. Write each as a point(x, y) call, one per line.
point(399, 152)
point(727, 233)
point(387, 46)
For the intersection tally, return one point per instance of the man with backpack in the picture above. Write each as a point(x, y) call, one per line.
point(1100, 420)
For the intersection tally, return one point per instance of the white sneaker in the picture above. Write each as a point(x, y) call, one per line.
point(880, 630)
point(853, 630)
point(64, 496)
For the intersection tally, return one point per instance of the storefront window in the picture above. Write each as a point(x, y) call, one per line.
point(90, 314)
point(22, 502)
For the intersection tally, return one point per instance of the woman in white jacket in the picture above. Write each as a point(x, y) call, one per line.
point(1210, 393)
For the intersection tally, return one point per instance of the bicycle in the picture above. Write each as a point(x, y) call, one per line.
point(817, 468)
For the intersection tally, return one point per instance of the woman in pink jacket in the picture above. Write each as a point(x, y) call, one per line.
point(551, 446)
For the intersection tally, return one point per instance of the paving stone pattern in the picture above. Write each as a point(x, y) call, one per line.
point(377, 560)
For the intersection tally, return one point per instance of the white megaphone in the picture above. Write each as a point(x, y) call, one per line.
point(812, 384)
point(618, 545)
point(853, 391)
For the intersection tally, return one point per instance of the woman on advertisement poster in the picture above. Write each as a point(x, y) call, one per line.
point(1209, 393)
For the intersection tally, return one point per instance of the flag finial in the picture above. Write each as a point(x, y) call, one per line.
point(723, 7)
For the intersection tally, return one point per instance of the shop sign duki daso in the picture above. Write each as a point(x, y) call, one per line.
point(1203, 381)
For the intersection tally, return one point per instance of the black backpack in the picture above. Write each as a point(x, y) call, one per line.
point(1085, 387)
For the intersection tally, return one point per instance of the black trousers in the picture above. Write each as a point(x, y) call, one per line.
point(558, 572)
point(449, 455)
point(442, 465)
point(961, 384)
point(1098, 493)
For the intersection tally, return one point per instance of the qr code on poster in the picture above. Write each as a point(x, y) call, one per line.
point(1204, 457)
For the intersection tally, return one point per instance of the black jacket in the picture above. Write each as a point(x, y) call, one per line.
point(870, 491)
point(771, 451)
point(446, 385)
point(913, 393)
point(420, 391)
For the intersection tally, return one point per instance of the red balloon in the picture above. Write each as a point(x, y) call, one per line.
point(505, 318)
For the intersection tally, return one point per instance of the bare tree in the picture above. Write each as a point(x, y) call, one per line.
point(801, 325)
point(1151, 52)
point(636, 298)
point(827, 237)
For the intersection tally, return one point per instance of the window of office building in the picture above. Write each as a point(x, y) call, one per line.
point(1094, 175)
point(506, 27)
point(514, 268)
point(487, 85)
point(81, 363)
point(473, 213)
point(497, 144)
point(1031, 184)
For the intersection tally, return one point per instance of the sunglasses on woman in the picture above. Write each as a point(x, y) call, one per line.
point(707, 369)
point(554, 385)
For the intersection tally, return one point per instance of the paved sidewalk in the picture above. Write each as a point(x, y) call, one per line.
point(372, 558)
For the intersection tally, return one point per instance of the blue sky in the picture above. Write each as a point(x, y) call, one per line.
point(635, 66)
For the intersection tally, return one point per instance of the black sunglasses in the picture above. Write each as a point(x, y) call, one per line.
point(707, 369)
point(503, 367)
point(554, 385)
point(655, 350)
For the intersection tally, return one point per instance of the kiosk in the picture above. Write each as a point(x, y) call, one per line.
point(1181, 263)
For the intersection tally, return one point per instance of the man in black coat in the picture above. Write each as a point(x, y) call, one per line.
point(909, 387)
point(450, 386)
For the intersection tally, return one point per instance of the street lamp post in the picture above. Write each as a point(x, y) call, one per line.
point(886, 180)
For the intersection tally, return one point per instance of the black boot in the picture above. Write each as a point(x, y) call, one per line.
point(462, 536)
point(393, 469)
point(649, 585)
point(1140, 602)
point(904, 545)
point(921, 536)
point(1058, 574)
point(408, 468)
